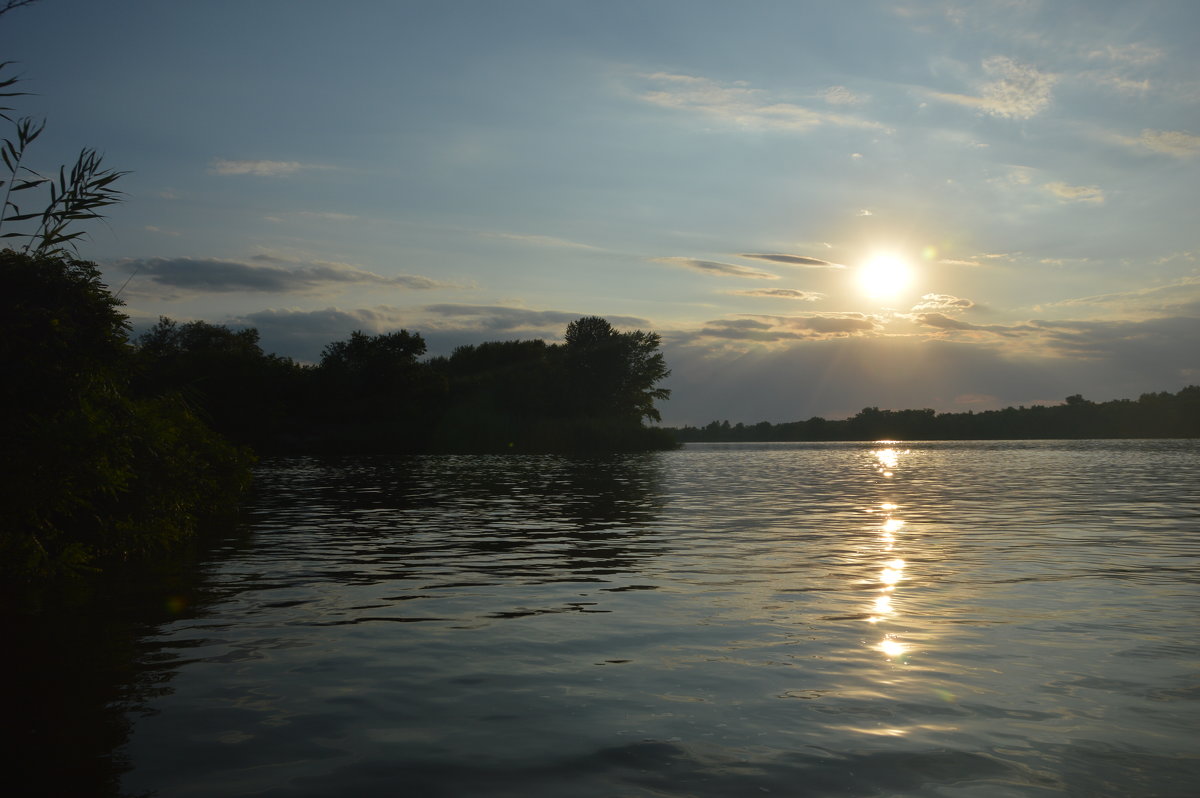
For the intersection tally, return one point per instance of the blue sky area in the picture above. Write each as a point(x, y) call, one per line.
point(1021, 176)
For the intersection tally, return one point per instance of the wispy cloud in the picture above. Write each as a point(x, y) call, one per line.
point(303, 333)
point(506, 320)
point(324, 323)
point(942, 322)
point(539, 241)
point(328, 216)
point(263, 273)
point(739, 104)
point(792, 260)
point(1132, 54)
point(309, 216)
point(1015, 91)
point(1170, 297)
point(712, 267)
point(222, 166)
point(1070, 193)
point(1122, 65)
point(942, 303)
point(1150, 343)
point(772, 329)
point(784, 293)
point(1116, 81)
point(840, 95)
point(1170, 142)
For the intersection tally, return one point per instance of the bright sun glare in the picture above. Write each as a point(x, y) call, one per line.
point(884, 276)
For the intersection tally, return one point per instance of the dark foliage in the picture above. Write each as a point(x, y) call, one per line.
point(1153, 415)
point(222, 374)
point(373, 393)
point(611, 373)
point(90, 469)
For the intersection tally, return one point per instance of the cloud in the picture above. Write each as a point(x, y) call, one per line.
point(1117, 81)
point(784, 293)
point(328, 321)
point(947, 324)
point(302, 334)
point(222, 166)
point(263, 274)
point(741, 105)
point(307, 216)
point(1133, 54)
point(832, 324)
point(943, 322)
point(1164, 346)
point(942, 303)
point(504, 317)
point(447, 326)
point(331, 216)
point(955, 262)
point(1170, 142)
point(716, 267)
point(1174, 297)
point(1016, 91)
point(1075, 193)
point(1167, 343)
point(1122, 60)
point(792, 260)
point(771, 329)
point(865, 212)
point(740, 329)
point(840, 95)
point(539, 241)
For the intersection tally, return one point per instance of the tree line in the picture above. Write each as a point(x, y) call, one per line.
point(1152, 415)
point(378, 394)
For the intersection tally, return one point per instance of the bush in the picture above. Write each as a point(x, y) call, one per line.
point(89, 471)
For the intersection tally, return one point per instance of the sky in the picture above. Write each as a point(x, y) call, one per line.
point(819, 206)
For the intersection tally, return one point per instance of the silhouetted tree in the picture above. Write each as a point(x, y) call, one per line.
point(615, 374)
point(367, 364)
point(372, 394)
point(224, 375)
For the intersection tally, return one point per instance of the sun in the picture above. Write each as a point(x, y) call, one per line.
point(884, 276)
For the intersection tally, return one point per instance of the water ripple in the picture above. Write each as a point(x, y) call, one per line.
point(919, 619)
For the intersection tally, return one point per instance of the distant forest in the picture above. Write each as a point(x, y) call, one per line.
point(1152, 415)
point(375, 393)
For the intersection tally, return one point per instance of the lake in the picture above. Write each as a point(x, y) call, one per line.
point(851, 619)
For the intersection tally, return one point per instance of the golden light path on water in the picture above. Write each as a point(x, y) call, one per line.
point(891, 573)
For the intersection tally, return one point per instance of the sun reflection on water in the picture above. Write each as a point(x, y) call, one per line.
point(891, 571)
point(891, 647)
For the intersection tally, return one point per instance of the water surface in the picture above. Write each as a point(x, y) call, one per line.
point(941, 619)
